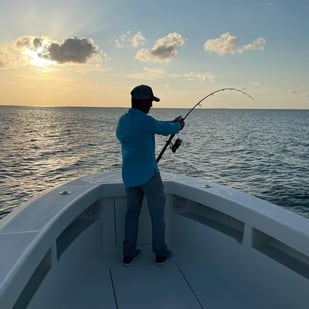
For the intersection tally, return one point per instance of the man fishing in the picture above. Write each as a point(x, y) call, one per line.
point(136, 132)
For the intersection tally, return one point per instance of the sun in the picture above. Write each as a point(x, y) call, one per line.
point(37, 52)
point(36, 60)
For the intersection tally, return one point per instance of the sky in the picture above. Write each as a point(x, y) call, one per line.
point(92, 53)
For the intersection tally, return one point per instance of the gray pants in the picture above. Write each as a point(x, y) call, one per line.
point(154, 193)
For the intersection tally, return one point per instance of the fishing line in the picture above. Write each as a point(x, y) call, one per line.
point(174, 146)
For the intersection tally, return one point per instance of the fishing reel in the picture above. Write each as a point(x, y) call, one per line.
point(174, 146)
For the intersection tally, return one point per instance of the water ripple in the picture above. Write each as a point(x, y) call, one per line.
point(264, 153)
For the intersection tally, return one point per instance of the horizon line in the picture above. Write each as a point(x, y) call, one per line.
point(126, 107)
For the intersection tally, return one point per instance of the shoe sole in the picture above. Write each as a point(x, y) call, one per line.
point(135, 259)
point(166, 261)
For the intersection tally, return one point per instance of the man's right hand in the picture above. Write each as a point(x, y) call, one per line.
point(181, 121)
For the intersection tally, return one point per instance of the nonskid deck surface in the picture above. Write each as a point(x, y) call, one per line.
point(176, 284)
point(148, 286)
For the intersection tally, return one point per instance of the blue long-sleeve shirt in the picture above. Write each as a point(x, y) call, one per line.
point(136, 133)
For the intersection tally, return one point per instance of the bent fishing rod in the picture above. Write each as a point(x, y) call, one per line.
point(175, 146)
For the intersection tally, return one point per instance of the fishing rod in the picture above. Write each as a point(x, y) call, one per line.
point(174, 146)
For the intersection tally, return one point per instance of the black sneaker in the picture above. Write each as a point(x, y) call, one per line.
point(163, 258)
point(127, 260)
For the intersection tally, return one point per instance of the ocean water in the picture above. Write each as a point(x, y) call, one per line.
point(261, 152)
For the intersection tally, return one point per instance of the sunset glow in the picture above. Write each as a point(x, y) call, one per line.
point(95, 54)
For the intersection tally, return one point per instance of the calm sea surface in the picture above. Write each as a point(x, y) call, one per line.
point(261, 152)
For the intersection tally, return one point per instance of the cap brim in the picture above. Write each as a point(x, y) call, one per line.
point(156, 99)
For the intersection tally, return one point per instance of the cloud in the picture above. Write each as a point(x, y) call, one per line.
point(137, 40)
point(27, 48)
point(126, 40)
point(227, 44)
point(203, 77)
point(30, 42)
point(301, 92)
point(71, 50)
point(10, 57)
point(149, 74)
point(164, 50)
point(292, 91)
point(7, 60)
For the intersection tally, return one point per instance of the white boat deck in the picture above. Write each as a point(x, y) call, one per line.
point(109, 284)
point(231, 250)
